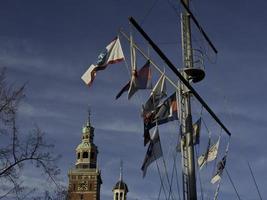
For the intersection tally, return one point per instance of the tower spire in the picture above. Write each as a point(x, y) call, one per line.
point(121, 170)
point(87, 186)
point(89, 116)
point(120, 190)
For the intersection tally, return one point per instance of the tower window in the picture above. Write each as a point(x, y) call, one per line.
point(81, 196)
point(85, 154)
point(78, 155)
point(117, 196)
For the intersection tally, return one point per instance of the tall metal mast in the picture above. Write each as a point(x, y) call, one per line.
point(188, 74)
point(189, 178)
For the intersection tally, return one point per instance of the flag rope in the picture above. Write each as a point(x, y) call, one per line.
point(172, 176)
point(176, 175)
point(159, 191)
point(254, 180)
point(198, 171)
point(161, 180)
point(139, 99)
point(167, 176)
point(232, 183)
point(221, 175)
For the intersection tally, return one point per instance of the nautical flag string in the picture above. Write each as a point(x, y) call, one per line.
point(165, 112)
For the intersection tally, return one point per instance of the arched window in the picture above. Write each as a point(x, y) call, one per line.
point(117, 196)
point(121, 196)
point(78, 155)
point(85, 154)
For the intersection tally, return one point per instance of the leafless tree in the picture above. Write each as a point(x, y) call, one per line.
point(18, 149)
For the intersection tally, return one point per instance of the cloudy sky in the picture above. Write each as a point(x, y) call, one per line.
point(50, 44)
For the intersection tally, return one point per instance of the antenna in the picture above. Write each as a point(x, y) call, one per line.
point(121, 170)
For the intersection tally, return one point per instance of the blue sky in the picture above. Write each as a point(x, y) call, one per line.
point(50, 44)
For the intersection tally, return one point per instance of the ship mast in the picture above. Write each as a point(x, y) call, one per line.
point(187, 146)
point(188, 74)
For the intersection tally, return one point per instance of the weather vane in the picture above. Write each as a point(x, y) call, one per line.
point(89, 115)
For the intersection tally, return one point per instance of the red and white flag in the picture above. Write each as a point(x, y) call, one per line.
point(112, 54)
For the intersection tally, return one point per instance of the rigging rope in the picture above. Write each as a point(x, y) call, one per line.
point(254, 180)
point(161, 180)
point(148, 12)
point(232, 183)
point(197, 153)
point(177, 180)
point(167, 176)
point(171, 181)
point(200, 182)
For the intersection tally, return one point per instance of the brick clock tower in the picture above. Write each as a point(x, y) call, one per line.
point(85, 178)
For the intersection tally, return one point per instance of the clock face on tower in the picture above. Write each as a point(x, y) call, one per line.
point(83, 186)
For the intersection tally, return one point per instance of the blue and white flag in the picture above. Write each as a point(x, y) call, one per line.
point(112, 54)
point(154, 151)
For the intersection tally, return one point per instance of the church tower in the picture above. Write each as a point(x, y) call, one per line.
point(85, 178)
point(120, 190)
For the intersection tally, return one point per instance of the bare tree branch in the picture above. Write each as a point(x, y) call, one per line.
point(21, 148)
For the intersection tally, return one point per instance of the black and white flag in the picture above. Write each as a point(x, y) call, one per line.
point(220, 168)
point(157, 93)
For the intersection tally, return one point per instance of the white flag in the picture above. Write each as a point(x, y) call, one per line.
point(158, 92)
point(209, 155)
point(112, 54)
point(154, 151)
